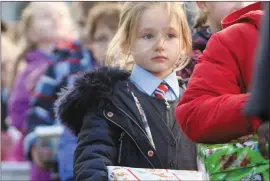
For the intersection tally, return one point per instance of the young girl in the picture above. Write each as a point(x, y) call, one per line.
point(43, 24)
point(124, 118)
point(207, 21)
point(211, 110)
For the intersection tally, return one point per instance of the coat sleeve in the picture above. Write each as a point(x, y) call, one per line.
point(18, 102)
point(40, 108)
point(96, 149)
point(67, 146)
point(211, 109)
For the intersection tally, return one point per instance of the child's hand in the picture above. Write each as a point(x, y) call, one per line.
point(36, 155)
point(264, 136)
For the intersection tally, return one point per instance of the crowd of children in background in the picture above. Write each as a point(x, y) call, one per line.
point(51, 50)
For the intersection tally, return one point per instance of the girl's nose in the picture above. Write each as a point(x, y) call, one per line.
point(160, 45)
point(159, 49)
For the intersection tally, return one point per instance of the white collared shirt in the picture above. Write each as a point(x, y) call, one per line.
point(148, 83)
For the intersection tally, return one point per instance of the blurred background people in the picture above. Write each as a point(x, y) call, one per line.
point(42, 24)
point(80, 11)
point(207, 20)
point(70, 58)
point(8, 56)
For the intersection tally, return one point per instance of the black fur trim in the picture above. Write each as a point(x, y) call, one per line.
point(88, 94)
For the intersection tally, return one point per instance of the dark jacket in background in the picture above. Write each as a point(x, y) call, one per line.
point(101, 110)
point(259, 103)
point(200, 37)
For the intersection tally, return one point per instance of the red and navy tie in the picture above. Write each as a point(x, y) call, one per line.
point(161, 90)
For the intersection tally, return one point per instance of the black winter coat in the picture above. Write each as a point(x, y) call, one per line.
point(100, 109)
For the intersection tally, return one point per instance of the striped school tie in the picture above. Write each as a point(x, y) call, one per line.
point(161, 90)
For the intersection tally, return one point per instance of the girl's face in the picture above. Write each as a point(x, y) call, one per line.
point(51, 22)
point(157, 47)
point(81, 12)
point(218, 10)
point(101, 38)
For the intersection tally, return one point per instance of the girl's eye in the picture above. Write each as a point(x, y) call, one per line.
point(149, 36)
point(170, 35)
point(102, 38)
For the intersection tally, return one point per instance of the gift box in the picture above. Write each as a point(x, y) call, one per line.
point(236, 160)
point(116, 173)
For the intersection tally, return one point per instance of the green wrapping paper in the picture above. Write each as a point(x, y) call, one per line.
point(232, 161)
point(257, 173)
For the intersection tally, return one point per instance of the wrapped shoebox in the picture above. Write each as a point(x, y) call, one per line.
point(48, 142)
point(116, 173)
point(237, 160)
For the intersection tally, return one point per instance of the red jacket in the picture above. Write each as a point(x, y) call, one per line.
point(211, 109)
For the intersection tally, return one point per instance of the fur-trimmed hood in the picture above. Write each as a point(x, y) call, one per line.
point(88, 94)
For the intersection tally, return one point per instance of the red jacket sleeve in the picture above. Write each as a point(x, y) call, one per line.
point(211, 109)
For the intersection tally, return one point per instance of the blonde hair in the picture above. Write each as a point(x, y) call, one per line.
point(120, 47)
point(24, 26)
point(9, 52)
point(107, 12)
point(8, 49)
point(25, 43)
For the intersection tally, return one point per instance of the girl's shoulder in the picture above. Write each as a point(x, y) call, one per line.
point(88, 93)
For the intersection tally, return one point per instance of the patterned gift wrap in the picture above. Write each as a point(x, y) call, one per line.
point(232, 161)
point(258, 173)
point(116, 173)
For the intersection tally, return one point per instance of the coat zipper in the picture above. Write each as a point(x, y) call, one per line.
point(129, 136)
point(136, 124)
point(168, 110)
point(168, 116)
point(120, 147)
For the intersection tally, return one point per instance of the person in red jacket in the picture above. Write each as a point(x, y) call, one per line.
point(212, 108)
